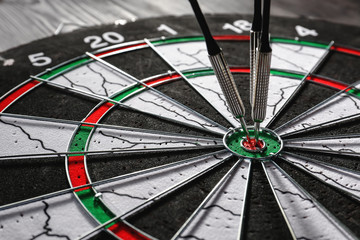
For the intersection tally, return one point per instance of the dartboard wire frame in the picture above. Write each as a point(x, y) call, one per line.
point(114, 127)
point(212, 193)
point(319, 206)
point(4, 96)
point(303, 80)
point(289, 140)
point(156, 91)
point(174, 77)
point(122, 218)
point(329, 123)
point(319, 162)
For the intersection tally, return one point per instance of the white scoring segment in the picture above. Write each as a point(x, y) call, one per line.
point(22, 136)
point(343, 179)
point(348, 145)
point(280, 90)
point(289, 57)
point(154, 103)
point(221, 216)
point(209, 88)
point(293, 57)
point(94, 78)
point(338, 108)
point(126, 194)
point(306, 218)
point(62, 217)
point(122, 139)
point(185, 56)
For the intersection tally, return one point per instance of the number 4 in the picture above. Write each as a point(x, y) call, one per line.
point(302, 31)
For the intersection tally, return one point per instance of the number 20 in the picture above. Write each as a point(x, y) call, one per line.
point(104, 40)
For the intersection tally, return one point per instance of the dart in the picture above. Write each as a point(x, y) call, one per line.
point(262, 73)
point(254, 42)
point(221, 70)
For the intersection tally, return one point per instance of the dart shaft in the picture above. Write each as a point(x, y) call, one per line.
point(261, 86)
point(211, 45)
point(227, 84)
point(254, 44)
point(256, 130)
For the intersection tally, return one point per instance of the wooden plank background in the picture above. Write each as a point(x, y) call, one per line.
point(23, 21)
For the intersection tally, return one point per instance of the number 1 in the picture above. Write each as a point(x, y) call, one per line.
point(166, 28)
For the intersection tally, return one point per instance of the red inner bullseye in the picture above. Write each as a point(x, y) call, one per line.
point(251, 144)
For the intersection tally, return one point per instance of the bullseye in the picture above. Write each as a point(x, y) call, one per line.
point(268, 145)
point(252, 146)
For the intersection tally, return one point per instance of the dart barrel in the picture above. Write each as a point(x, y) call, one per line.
point(254, 43)
point(227, 84)
point(261, 86)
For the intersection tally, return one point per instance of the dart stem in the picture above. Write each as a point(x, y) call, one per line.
point(212, 47)
point(244, 127)
point(265, 45)
point(256, 23)
point(256, 131)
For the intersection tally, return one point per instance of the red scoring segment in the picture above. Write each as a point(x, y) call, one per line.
point(12, 97)
point(328, 82)
point(77, 172)
point(126, 232)
point(159, 80)
point(346, 50)
point(240, 69)
point(95, 116)
point(119, 49)
point(233, 37)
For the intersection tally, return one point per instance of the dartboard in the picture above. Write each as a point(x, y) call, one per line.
point(104, 136)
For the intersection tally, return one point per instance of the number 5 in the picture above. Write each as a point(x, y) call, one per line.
point(39, 60)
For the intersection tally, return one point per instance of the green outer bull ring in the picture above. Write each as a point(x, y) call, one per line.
point(273, 143)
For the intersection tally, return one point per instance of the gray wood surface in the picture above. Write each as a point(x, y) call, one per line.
point(23, 21)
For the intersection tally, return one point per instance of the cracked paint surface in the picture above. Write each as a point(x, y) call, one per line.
point(335, 109)
point(155, 104)
point(94, 78)
point(280, 90)
point(53, 218)
point(295, 57)
point(26, 136)
point(209, 88)
point(123, 195)
point(340, 178)
point(188, 55)
point(220, 217)
point(340, 145)
point(115, 139)
point(306, 217)
point(284, 56)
